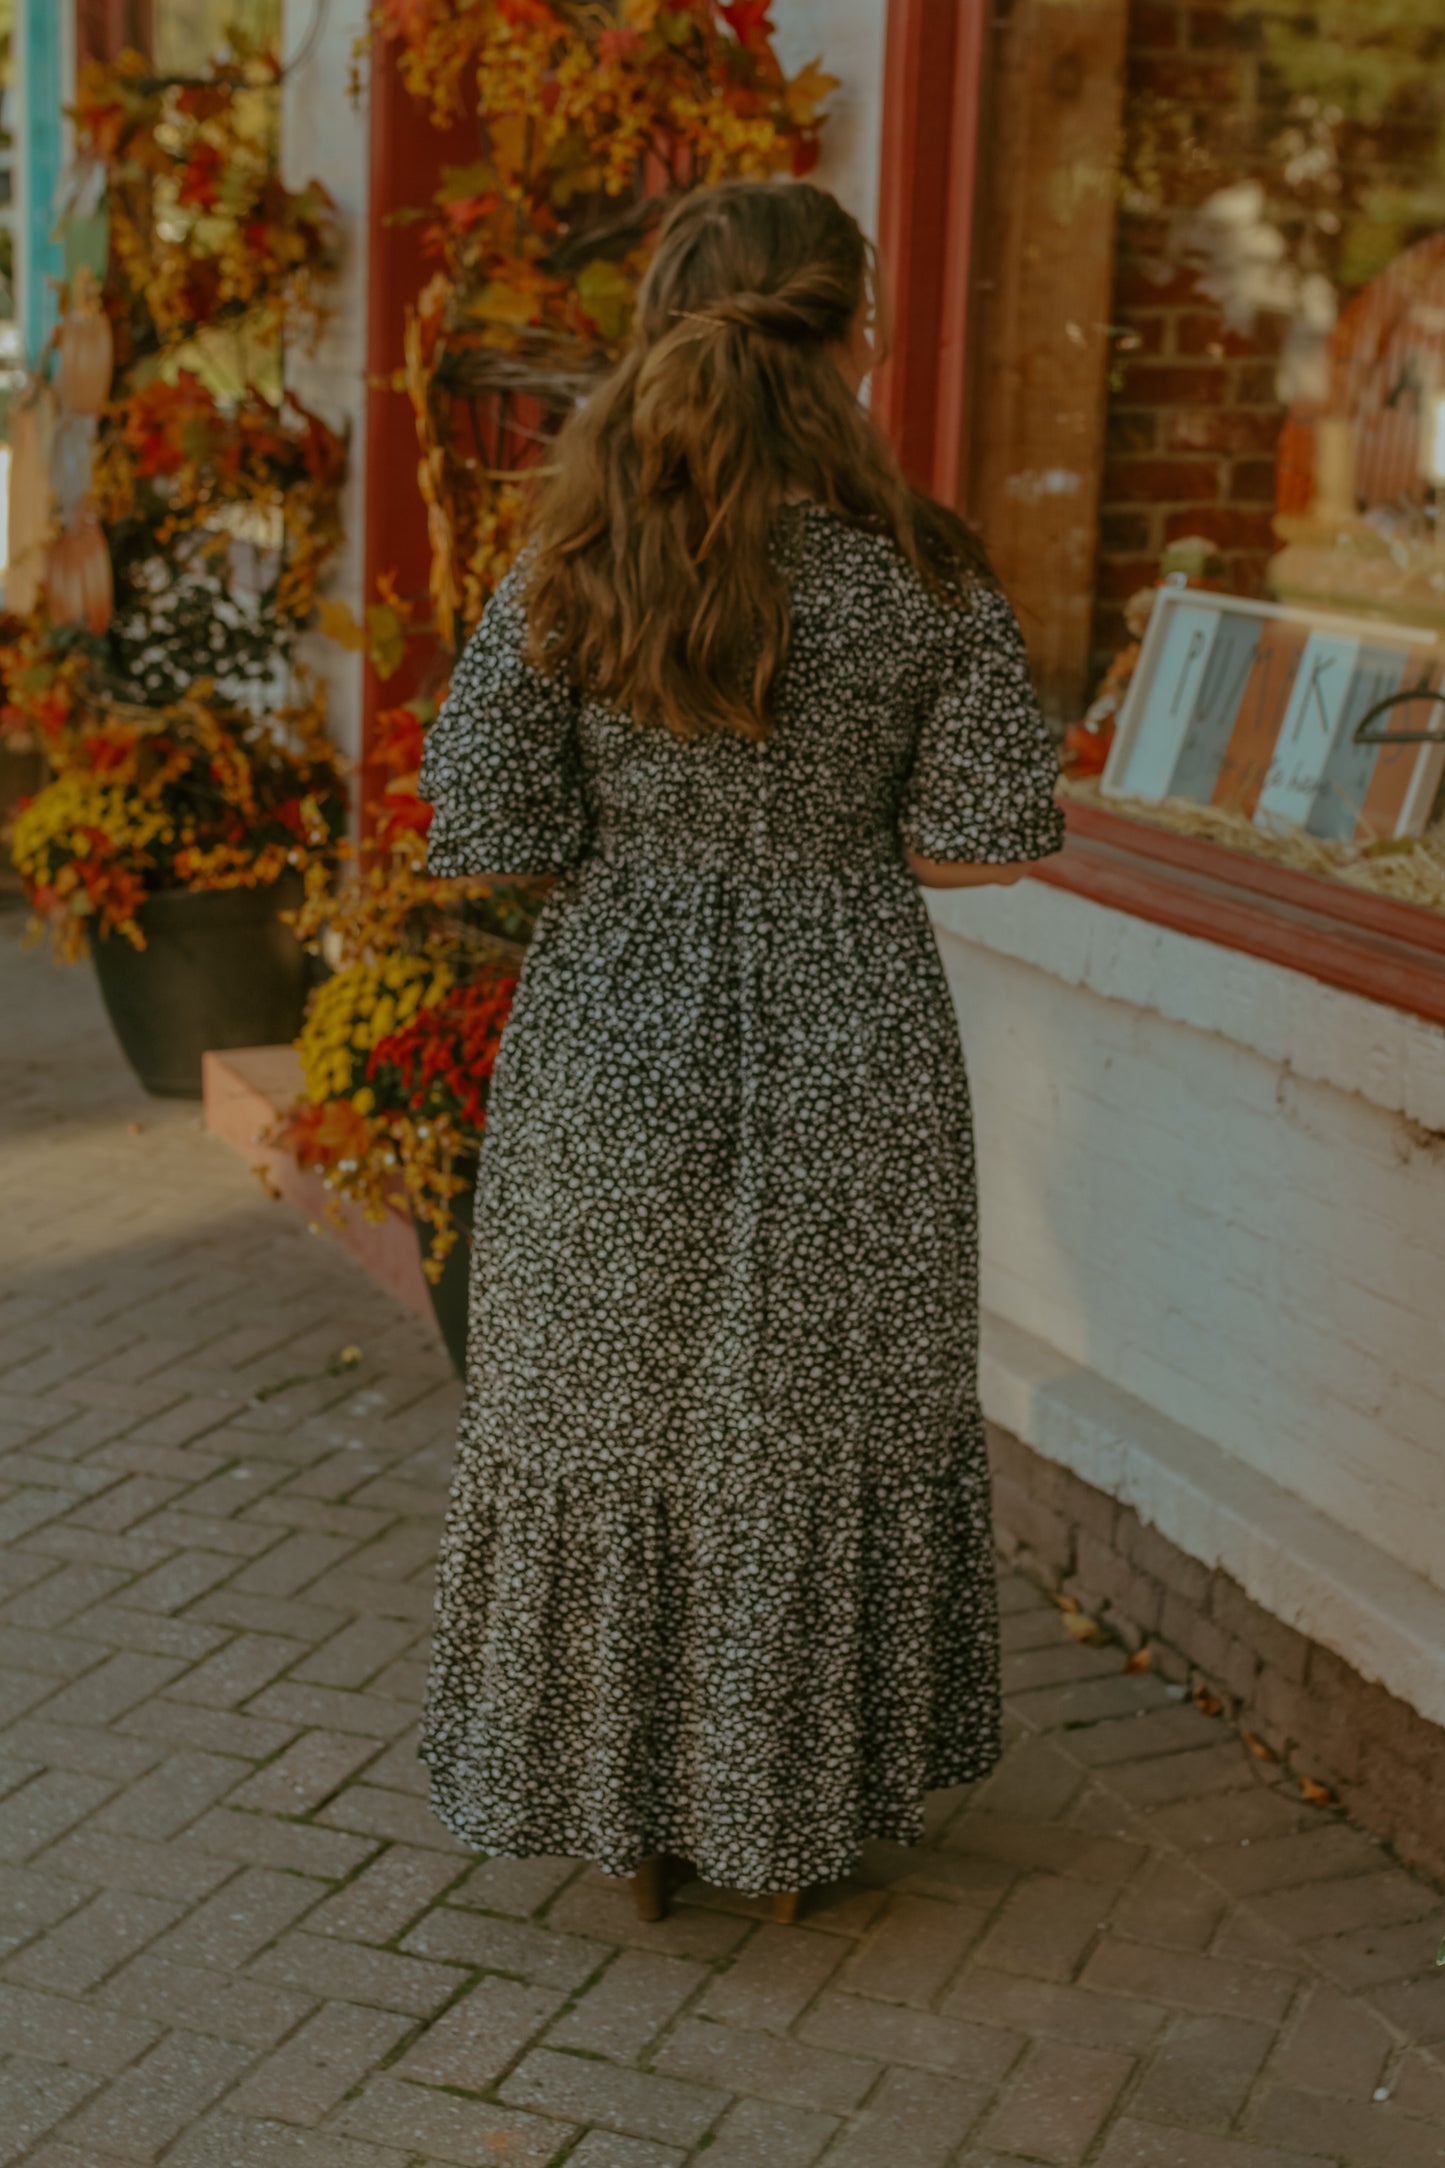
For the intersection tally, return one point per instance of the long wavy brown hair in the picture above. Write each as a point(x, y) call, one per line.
point(652, 581)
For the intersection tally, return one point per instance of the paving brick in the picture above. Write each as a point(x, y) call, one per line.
point(238, 1670)
point(1045, 1926)
point(114, 1686)
point(1368, 2134)
point(249, 2011)
point(209, 1731)
point(55, 2029)
point(152, 1632)
point(151, 2104)
point(1052, 2011)
point(1145, 1735)
point(372, 1812)
point(608, 2149)
point(623, 2011)
point(298, 1620)
point(34, 2097)
point(386, 1897)
point(1334, 2045)
point(1170, 1902)
point(641, 2103)
point(316, 2069)
point(1190, 1981)
point(251, 1910)
point(65, 1591)
point(1088, 1701)
point(602, 1907)
point(774, 1976)
point(1374, 1956)
point(1035, 1781)
point(1317, 1853)
point(355, 1654)
point(1225, 1820)
point(152, 1870)
point(44, 1808)
point(854, 2025)
point(176, 1581)
point(291, 1564)
point(305, 1775)
point(1335, 1907)
point(347, 1972)
point(168, 1797)
point(472, 2044)
point(443, 2128)
point(1203, 2072)
point(57, 1656)
point(340, 1709)
point(1057, 2101)
point(760, 2134)
point(1132, 2144)
point(915, 2115)
point(766, 2066)
point(494, 1945)
point(914, 1950)
point(301, 1848)
point(229, 2141)
point(1164, 1778)
point(30, 1902)
point(1052, 1847)
point(91, 1942)
point(519, 1887)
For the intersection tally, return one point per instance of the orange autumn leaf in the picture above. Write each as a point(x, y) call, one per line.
point(1318, 1795)
point(1141, 1660)
point(1257, 1747)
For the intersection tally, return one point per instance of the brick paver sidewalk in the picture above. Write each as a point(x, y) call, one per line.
point(233, 1935)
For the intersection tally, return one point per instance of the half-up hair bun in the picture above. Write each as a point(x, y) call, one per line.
point(809, 309)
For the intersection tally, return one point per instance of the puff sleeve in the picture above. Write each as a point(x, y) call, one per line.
point(981, 788)
point(501, 768)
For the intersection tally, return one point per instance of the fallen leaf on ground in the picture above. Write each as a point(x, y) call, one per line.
point(1257, 1747)
point(1141, 1659)
point(1082, 1627)
point(1209, 1703)
point(1318, 1795)
point(1065, 1603)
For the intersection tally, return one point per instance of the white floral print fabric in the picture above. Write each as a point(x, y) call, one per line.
point(717, 1577)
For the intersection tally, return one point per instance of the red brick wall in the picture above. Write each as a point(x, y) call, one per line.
point(1194, 420)
point(1383, 1763)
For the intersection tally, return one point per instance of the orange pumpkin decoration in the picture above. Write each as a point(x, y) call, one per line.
point(32, 504)
point(78, 586)
point(87, 350)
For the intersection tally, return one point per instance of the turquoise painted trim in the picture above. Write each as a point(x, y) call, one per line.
point(41, 256)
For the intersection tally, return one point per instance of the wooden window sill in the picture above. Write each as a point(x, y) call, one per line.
point(1347, 937)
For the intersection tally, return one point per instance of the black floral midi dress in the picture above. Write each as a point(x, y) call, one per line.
point(717, 1578)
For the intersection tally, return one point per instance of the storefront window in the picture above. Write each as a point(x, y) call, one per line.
point(1208, 355)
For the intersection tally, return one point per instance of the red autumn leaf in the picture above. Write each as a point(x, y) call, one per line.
point(200, 180)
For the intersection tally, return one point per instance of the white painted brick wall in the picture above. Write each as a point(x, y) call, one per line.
point(324, 138)
point(1256, 1252)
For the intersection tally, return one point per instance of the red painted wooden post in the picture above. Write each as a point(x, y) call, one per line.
point(933, 72)
point(406, 157)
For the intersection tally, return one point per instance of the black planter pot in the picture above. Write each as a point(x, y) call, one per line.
point(218, 969)
point(449, 1294)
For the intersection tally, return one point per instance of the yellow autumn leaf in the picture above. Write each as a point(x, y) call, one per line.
point(1082, 1627)
point(807, 92)
point(605, 292)
point(385, 639)
point(338, 622)
point(499, 303)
